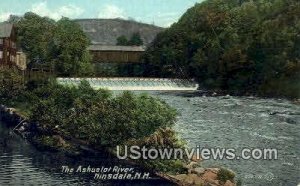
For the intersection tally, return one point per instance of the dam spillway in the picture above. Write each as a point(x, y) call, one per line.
point(134, 84)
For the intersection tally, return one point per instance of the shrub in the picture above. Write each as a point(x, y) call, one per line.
point(224, 175)
point(98, 117)
point(11, 83)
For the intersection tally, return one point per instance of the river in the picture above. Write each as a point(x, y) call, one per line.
point(225, 122)
point(244, 122)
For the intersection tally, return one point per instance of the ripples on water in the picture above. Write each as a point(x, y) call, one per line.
point(244, 123)
point(22, 164)
point(204, 121)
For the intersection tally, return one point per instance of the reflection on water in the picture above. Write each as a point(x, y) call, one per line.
point(22, 164)
point(205, 121)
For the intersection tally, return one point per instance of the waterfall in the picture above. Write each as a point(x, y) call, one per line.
point(153, 84)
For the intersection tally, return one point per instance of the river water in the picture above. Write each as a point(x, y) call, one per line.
point(244, 122)
point(225, 122)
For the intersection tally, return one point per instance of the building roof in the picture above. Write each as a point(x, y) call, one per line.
point(5, 29)
point(116, 48)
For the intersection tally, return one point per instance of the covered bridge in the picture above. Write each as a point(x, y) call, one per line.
point(116, 54)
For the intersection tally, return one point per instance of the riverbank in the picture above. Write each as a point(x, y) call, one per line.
point(195, 175)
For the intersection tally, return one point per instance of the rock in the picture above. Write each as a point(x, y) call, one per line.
point(287, 120)
point(229, 183)
point(297, 102)
point(210, 177)
point(199, 171)
point(290, 121)
point(191, 165)
point(61, 141)
point(11, 110)
point(227, 96)
point(273, 113)
point(214, 170)
point(191, 178)
point(199, 182)
point(181, 177)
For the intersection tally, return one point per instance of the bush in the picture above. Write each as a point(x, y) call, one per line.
point(224, 175)
point(11, 83)
point(98, 117)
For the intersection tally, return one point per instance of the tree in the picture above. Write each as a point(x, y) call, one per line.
point(35, 34)
point(122, 41)
point(136, 40)
point(239, 46)
point(70, 49)
point(11, 83)
point(62, 44)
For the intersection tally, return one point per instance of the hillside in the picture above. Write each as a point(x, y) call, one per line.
point(243, 47)
point(106, 31)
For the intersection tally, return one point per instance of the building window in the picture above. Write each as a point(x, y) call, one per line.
point(1, 54)
point(1, 41)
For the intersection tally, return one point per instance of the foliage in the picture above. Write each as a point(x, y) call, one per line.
point(35, 34)
point(60, 44)
point(169, 166)
point(224, 175)
point(135, 40)
point(239, 46)
point(162, 138)
point(11, 83)
point(70, 49)
point(96, 116)
point(118, 70)
point(122, 41)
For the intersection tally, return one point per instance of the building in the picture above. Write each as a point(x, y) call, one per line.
point(8, 47)
point(116, 54)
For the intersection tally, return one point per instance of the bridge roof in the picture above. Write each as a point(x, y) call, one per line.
point(116, 48)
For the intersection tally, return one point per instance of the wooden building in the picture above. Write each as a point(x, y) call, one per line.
point(8, 47)
point(116, 54)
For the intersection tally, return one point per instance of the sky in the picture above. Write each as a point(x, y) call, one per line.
point(159, 12)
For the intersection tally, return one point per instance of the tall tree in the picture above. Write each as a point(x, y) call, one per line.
point(122, 41)
point(136, 39)
point(35, 34)
point(70, 49)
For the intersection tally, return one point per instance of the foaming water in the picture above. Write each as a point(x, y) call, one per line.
point(242, 122)
point(134, 84)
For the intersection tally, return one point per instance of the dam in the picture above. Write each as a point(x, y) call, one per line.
point(135, 84)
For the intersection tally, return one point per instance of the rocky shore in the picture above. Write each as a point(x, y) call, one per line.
point(195, 174)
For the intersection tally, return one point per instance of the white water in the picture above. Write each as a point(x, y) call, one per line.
point(138, 84)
